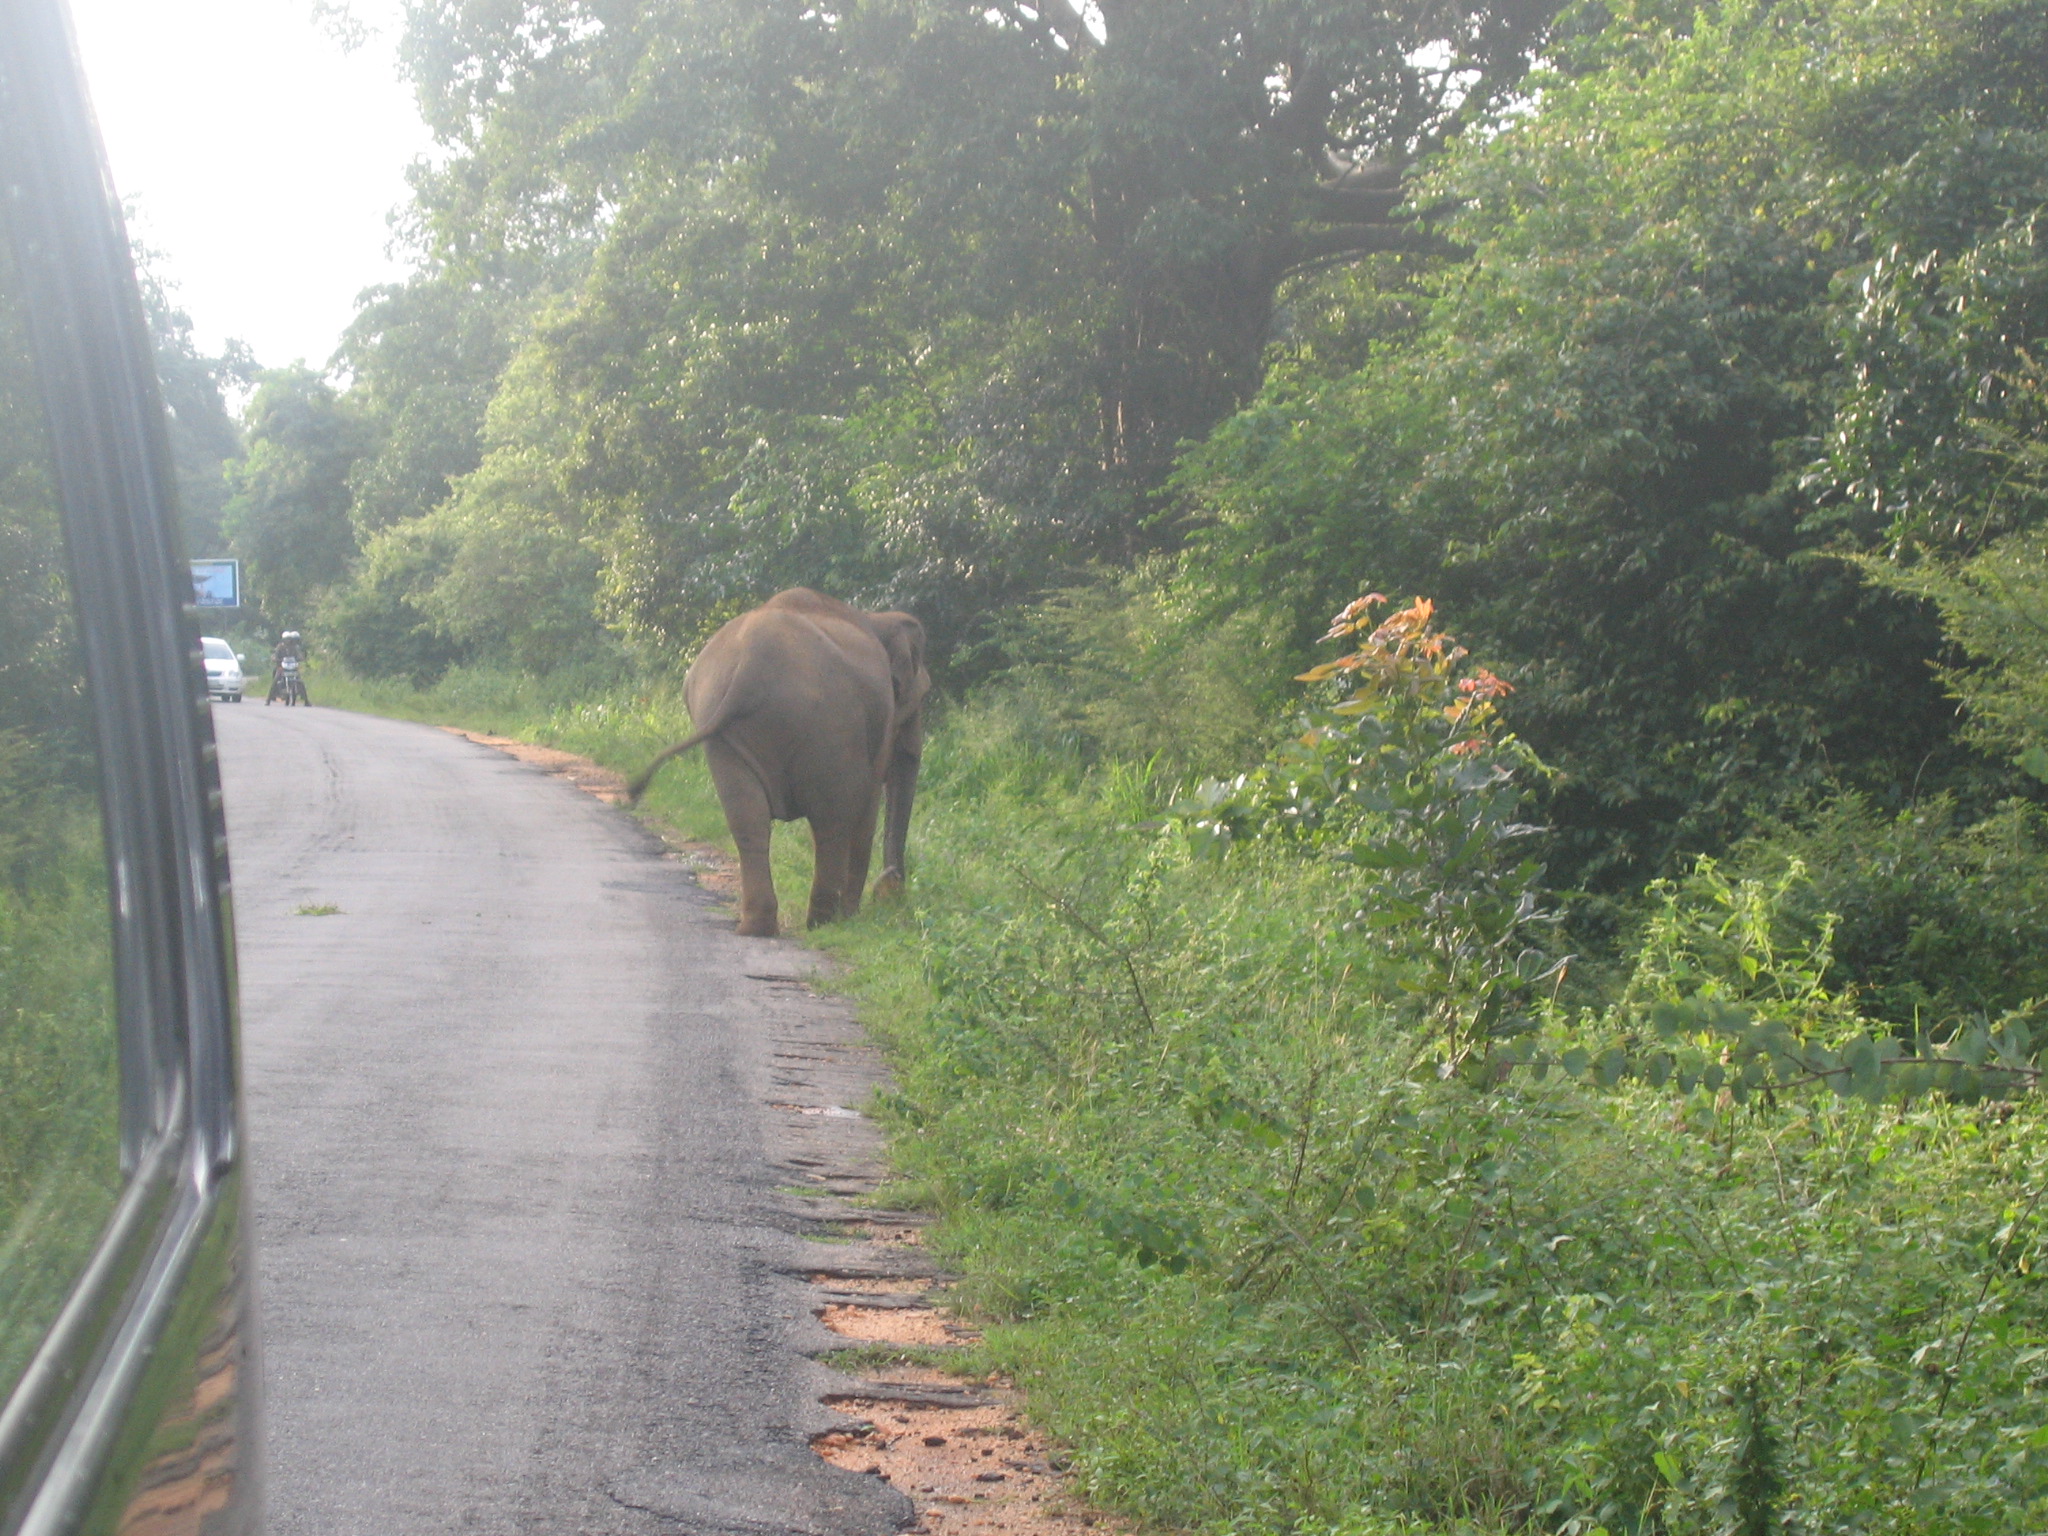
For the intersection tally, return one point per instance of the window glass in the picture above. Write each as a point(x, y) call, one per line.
point(59, 1073)
point(217, 650)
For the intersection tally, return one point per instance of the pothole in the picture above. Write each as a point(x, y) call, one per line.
point(870, 1285)
point(970, 1471)
point(920, 1326)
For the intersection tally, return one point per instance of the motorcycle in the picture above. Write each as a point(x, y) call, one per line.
point(293, 685)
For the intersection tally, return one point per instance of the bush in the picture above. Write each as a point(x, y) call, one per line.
point(377, 625)
point(1934, 922)
point(1271, 1269)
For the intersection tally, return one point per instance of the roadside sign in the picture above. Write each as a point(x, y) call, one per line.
point(216, 583)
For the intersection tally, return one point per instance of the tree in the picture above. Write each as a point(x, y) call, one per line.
point(288, 510)
point(423, 358)
point(935, 289)
point(204, 438)
point(1994, 604)
point(1596, 447)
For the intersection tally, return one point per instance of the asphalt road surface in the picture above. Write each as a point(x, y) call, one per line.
point(522, 1266)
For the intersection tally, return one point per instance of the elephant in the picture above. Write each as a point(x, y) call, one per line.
point(808, 707)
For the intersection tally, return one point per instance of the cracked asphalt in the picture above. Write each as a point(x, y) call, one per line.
point(522, 1263)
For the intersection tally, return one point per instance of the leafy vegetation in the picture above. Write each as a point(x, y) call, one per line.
point(1271, 1268)
point(59, 1088)
point(59, 1083)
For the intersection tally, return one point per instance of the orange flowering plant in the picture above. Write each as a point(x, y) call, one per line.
point(1406, 769)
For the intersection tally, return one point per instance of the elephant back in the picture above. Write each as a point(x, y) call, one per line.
point(805, 691)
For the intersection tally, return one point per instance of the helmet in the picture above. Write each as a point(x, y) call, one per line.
point(290, 634)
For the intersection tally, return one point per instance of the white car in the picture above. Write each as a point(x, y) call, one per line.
point(223, 670)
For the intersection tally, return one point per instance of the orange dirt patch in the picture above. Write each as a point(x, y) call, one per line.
point(969, 1471)
point(895, 1325)
point(871, 1287)
point(885, 1233)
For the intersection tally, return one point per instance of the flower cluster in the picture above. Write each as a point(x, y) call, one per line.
point(1404, 652)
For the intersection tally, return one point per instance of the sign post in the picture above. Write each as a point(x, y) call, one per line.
point(216, 583)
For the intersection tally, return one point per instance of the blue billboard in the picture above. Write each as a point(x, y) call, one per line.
point(216, 583)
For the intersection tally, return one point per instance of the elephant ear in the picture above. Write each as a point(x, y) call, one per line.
point(903, 637)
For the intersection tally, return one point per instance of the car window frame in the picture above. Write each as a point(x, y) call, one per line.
point(164, 834)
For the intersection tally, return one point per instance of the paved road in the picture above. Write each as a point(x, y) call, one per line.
point(520, 1255)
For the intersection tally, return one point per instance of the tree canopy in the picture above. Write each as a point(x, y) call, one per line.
point(1625, 332)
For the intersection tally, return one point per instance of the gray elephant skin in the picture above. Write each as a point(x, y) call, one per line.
point(810, 708)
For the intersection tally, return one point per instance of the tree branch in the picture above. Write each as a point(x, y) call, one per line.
point(1348, 242)
point(1341, 173)
point(1359, 204)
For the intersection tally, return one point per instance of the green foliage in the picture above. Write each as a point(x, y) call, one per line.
point(1734, 988)
point(378, 625)
point(59, 1082)
point(1304, 1189)
point(1595, 444)
point(288, 514)
point(1407, 774)
point(204, 437)
point(1268, 1271)
point(424, 359)
point(1994, 602)
point(1935, 921)
point(521, 578)
point(1128, 668)
point(912, 300)
point(41, 693)
point(59, 1074)
point(919, 303)
point(501, 568)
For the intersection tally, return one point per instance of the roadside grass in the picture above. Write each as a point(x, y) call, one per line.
point(1267, 1271)
point(59, 1082)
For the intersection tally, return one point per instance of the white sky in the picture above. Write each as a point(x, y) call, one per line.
point(260, 159)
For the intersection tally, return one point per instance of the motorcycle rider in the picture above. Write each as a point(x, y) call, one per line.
point(288, 644)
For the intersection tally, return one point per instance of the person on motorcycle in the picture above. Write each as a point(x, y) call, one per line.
point(288, 644)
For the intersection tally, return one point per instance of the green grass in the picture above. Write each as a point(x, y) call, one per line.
point(1266, 1271)
point(59, 1072)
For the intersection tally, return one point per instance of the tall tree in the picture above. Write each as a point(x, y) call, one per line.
point(1598, 447)
point(204, 438)
point(936, 288)
point(288, 514)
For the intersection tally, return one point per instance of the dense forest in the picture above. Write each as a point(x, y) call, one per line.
point(1572, 1077)
point(1673, 353)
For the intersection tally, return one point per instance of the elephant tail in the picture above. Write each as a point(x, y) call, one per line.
point(646, 775)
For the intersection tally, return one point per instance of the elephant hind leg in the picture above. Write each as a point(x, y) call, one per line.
point(745, 802)
point(831, 849)
point(859, 854)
